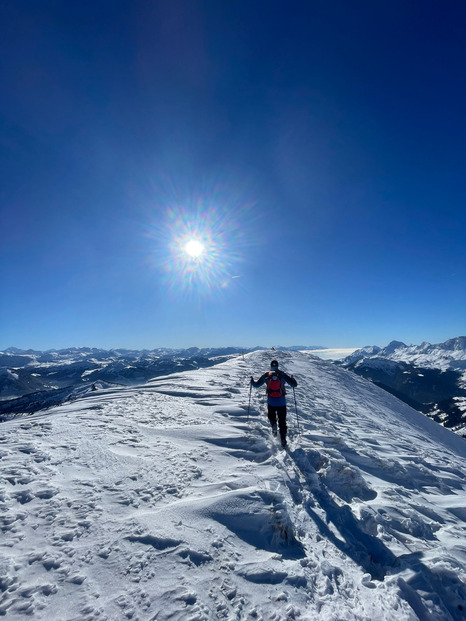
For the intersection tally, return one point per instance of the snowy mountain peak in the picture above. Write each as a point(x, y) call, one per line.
point(431, 378)
point(359, 354)
point(456, 344)
point(392, 347)
point(450, 354)
point(173, 501)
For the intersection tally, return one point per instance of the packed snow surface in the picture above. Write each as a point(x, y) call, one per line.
point(173, 501)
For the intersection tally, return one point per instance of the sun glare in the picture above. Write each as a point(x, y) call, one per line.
point(198, 248)
point(194, 248)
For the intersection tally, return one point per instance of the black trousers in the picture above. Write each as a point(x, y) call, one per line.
point(274, 411)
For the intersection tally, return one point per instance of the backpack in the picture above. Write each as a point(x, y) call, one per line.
point(275, 384)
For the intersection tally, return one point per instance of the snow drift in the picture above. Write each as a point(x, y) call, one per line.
point(171, 501)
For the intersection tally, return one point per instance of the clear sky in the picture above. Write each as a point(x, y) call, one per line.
point(314, 151)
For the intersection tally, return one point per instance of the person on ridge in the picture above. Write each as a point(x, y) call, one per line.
point(276, 401)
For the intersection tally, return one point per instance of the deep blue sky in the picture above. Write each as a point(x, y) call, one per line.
point(316, 148)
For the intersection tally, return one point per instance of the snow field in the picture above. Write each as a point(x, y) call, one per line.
point(170, 501)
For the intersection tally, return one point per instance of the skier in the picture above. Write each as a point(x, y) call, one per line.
point(276, 402)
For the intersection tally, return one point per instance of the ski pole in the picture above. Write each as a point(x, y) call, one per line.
point(296, 409)
point(249, 404)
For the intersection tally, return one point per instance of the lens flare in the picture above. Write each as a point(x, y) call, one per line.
point(199, 246)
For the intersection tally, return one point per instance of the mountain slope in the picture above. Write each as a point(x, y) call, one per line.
point(169, 501)
point(430, 378)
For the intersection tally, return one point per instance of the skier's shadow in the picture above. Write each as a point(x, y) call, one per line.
point(370, 553)
point(364, 549)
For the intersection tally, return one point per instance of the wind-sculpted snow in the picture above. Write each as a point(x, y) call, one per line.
point(172, 501)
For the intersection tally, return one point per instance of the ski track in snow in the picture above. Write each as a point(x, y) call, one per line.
point(169, 501)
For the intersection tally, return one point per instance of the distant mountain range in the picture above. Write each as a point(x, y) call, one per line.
point(430, 378)
point(32, 380)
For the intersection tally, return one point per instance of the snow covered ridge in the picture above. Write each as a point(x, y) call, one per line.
point(32, 380)
point(172, 501)
point(431, 378)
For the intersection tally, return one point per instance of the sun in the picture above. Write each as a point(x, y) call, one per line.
point(194, 248)
point(197, 248)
